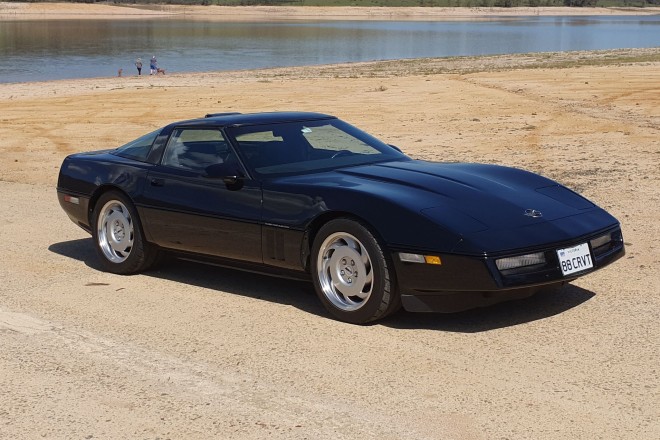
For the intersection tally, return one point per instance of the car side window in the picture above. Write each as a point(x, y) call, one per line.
point(195, 149)
point(139, 148)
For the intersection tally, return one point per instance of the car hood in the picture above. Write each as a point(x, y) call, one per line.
point(486, 196)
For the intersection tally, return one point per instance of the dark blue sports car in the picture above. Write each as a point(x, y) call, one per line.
point(308, 195)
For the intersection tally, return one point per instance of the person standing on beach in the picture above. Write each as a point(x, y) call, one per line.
point(138, 64)
point(153, 65)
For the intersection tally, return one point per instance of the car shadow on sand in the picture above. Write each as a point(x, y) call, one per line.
point(300, 294)
point(506, 314)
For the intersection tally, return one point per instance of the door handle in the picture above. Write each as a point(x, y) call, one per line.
point(157, 182)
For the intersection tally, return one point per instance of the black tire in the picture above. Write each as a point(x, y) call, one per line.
point(351, 274)
point(118, 237)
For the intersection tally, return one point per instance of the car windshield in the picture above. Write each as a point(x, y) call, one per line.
point(139, 148)
point(308, 146)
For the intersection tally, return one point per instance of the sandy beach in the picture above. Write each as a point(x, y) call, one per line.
point(196, 352)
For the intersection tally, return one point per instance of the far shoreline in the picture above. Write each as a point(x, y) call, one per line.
point(86, 11)
point(411, 67)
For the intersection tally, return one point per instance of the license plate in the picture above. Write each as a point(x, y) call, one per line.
point(575, 259)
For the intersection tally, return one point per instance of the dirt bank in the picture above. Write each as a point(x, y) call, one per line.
point(77, 11)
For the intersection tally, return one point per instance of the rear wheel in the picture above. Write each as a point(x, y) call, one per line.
point(351, 274)
point(118, 237)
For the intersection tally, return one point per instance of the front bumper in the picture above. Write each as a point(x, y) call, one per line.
point(462, 282)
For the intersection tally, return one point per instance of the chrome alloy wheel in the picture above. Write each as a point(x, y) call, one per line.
point(345, 271)
point(115, 231)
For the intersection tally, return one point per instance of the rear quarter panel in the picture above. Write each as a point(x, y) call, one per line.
point(87, 175)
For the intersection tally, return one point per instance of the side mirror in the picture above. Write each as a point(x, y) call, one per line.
point(230, 174)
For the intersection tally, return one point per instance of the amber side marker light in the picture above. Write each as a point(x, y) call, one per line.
point(417, 258)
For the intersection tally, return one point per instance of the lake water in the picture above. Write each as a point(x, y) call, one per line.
point(45, 50)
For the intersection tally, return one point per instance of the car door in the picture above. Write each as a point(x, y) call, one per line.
point(186, 210)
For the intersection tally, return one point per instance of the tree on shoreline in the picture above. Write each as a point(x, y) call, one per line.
point(384, 3)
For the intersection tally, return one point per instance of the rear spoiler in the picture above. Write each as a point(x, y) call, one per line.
point(213, 115)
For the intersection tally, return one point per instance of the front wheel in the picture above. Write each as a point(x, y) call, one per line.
point(351, 274)
point(118, 237)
